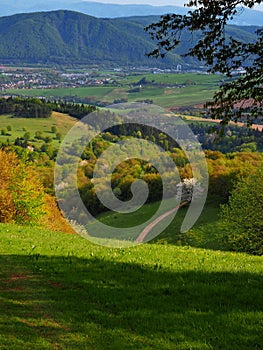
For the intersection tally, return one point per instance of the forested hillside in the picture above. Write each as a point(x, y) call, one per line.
point(112, 10)
point(65, 37)
point(72, 38)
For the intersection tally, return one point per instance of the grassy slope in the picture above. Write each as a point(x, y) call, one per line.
point(19, 125)
point(202, 234)
point(61, 292)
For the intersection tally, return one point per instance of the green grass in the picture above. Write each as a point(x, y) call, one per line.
point(98, 92)
point(202, 89)
point(164, 97)
point(59, 291)
point(187, 96)
point(22, 125)
point(174, 78)
point(201, 235)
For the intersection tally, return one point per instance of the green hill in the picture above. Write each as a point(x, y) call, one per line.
point(19, 126)
point(65, 37)
point(72, 38)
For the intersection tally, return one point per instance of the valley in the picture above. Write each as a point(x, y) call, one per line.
point(102, 88)
point(39, 139)
point(197, 282)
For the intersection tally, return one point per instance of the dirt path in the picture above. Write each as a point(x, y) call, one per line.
point(155, 222)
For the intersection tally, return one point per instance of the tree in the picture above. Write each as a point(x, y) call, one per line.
point(21, 194)
point(220, 53)
point(3, 131)
point(27, 136)
point(54, 129)
point(39, 135)
point(58, 136)
point(242, 217)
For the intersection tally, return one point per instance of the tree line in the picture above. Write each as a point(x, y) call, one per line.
point(41, 108)
point(25, 107)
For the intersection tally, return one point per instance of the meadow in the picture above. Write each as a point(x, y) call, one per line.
point(59, 291)
point(162, 89)
point(19, 126)
point(204, 234)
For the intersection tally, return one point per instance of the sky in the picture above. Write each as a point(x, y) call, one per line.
point(157, 2)
point(149, 2)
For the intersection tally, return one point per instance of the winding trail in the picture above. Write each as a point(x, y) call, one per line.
point(148, 228)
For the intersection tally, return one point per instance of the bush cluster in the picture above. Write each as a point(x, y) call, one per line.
point(243, 215)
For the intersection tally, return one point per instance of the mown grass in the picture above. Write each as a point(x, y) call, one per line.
point(194, 78)
point(187, 96)
point(59, 291)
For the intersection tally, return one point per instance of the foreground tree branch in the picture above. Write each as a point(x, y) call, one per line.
point(240, 97)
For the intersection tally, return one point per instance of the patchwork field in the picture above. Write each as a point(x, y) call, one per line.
point(165, 90)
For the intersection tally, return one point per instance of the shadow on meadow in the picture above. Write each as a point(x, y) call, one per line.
point(77, 303)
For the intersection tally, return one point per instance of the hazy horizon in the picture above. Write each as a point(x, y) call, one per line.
point(155, 3)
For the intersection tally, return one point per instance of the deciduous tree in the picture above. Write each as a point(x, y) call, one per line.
point(21, 194)
point(243, 216)
point(220, 52)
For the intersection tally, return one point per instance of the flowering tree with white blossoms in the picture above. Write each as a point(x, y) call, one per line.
point(189, 188)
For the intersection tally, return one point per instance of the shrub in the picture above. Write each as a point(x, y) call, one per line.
point(4, 132)
point(243, 215)
point(53, 219)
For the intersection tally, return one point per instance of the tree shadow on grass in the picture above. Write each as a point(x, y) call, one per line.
point(77, 303)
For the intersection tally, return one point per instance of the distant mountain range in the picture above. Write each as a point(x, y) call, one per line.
point(102, 10)
point(72, 38)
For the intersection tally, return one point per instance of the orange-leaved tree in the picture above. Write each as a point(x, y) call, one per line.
point(21, 193)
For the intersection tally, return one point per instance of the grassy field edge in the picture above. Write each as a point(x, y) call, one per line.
point(59, 291)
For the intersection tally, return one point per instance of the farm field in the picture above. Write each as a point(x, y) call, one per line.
point(59, 291)
point(99, 91)
point(165, 90)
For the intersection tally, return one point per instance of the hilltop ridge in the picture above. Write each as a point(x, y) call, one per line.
point(72, 38)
